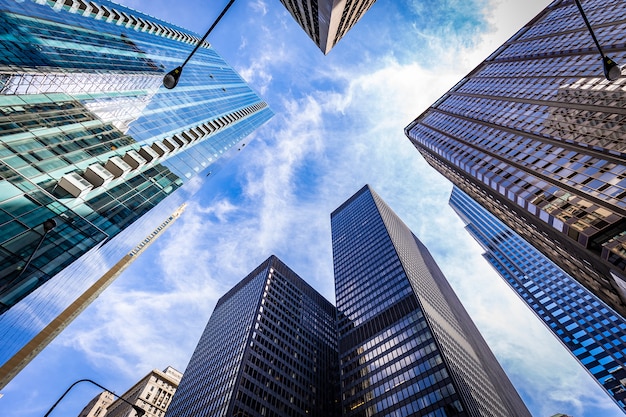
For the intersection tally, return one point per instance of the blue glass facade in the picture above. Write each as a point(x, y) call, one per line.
point(406, 344)
point(535, 134)
point(90, 139)
point(586, 326)
point(269, 349)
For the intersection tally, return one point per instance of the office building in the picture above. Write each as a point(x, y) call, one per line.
point(30, 350)
point(153, 393)
point(327, 21)
point(97, 407)
point(407, 345)
point(537, 136)
point(90, 143)
point(593, 333)
point(269, 349)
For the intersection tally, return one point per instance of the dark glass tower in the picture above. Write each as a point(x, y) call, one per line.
point(269, 349)
point(537, 136)
point(407, 346)
point(91, 142)
point(586, 326)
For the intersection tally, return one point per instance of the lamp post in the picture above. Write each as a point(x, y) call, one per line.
point(171, 78)
point(612, 71)
point(140, 411)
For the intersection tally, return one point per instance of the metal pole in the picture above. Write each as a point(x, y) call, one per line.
point(593, 35)
point(230, 3)
point(612, 71)
point(140, 411)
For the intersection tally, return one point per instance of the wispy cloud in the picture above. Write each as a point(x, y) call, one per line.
point(259, 7)
point(258, 71)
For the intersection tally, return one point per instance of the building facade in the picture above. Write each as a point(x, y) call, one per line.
point(327, 21)
point(537, 136)
point(153, 394)
point(407, 346)
point(269, 349)
point(593, 333)
point(90, 143)
point(97, 407)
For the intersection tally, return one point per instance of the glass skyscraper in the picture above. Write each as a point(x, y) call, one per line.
point(537, 136)
point(586, 326)
point(269, 349)
point(90, 143)
point(407, 345)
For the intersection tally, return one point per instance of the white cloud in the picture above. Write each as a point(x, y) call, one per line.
point(244, 43)
point(258, 6)
point(271, 179)
point(258, 72)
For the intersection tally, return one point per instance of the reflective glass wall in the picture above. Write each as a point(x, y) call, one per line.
point(90, 143)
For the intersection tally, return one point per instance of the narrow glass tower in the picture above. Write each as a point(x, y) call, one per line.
point(407, 346)
point(269, 349)
point(587, 327)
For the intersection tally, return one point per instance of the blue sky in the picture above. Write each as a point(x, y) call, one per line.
point(338, 125)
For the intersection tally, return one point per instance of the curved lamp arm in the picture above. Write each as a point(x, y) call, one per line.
point(140, 411)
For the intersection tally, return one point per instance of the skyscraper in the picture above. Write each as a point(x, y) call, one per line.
point(586, 326)
point(90, 143)
point(327, 21)
point(537, 136)
point(269, 349)
point(407, 346)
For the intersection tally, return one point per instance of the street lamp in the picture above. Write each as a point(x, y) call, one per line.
point(171, 78)
point(612, 71)
point(140, 411)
